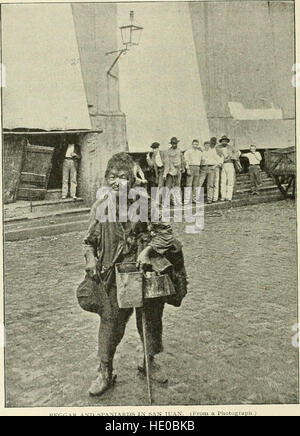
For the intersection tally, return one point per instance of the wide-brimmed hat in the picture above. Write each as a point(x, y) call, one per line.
point(174, 140)
point(224, 138)
point(155, 145)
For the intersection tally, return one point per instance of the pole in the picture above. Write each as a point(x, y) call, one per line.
point(146, 352)
point(31, 207)
point(110, 76)
point(121, 52)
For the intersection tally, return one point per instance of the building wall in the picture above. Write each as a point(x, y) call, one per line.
point(68, 86)
point(196, 58)
point(97, 33)
point(245, 53)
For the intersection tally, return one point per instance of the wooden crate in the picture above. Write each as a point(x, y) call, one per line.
point(35, 173)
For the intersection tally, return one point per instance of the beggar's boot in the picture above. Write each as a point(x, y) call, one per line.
point(104, 381)
point(158, 375)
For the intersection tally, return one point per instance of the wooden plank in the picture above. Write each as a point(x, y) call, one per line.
point(13, 159)
point(52, 132)
point(26, 193)
point(34, 179)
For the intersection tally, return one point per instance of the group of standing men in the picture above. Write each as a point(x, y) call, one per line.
point(212, 161)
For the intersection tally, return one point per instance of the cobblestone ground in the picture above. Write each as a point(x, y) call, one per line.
point(230, 342)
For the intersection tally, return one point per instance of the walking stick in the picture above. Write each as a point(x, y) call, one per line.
point(130, 295)
point(146, 352)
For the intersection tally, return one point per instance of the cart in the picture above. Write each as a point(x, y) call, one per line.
point(281, 165)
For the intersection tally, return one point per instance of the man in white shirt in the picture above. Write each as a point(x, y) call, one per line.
point(72, 156)
point(193, 158)
point(254, 158)
point(209, 163)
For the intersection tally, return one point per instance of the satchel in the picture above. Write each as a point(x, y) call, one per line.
point(178, 274)
point(180, 283)
point(89, 295)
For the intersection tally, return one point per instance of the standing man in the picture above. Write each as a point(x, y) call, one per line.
point(155, 161)
point(209, 163)
point(72, 157)
point(220, 159)
point(109, 243)
point(174, 166)
point(254, 158)
point(230, 156)
point(193, 158)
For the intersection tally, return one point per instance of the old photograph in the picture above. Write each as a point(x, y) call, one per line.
point(149, 204)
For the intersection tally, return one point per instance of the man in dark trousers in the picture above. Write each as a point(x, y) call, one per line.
point(155, 160)
point(114, 242)
point(254, 158)
point(193, 158)
point(174, 166)
point(72, 157)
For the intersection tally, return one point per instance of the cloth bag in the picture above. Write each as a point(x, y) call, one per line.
point(178, 274)
point(89, 295)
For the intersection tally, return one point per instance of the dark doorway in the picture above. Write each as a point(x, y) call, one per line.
point(55, 181)
point(57, 142)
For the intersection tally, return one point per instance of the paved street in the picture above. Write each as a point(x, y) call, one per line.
point(230, 342)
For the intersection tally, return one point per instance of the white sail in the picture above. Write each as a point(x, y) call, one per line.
point(44, 87)
point(160, 84)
